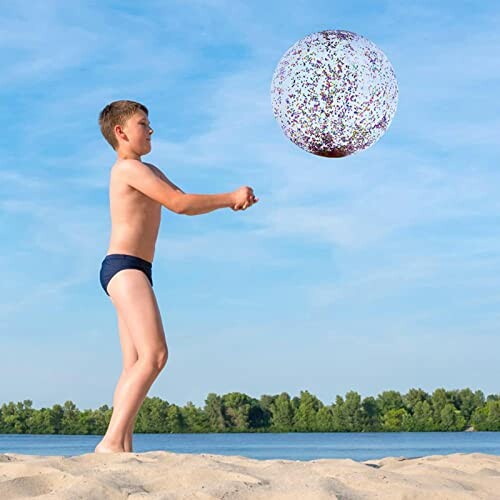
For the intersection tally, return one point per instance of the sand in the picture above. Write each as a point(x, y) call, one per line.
point(165, 475)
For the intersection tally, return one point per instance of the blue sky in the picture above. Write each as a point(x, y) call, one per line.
point(373, 272)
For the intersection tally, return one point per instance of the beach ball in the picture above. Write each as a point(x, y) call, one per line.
point(334, 93)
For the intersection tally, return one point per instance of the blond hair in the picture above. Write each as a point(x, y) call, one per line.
point(117, 113)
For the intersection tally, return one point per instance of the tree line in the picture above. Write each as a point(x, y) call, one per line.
point(416, 411)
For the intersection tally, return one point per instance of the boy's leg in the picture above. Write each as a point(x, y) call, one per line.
point(127, 443)
point(136, 304)
point(129, 357)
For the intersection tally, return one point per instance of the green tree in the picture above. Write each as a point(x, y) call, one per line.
point(479, 419)
point(389, 400)
point(467, 402)
point(416, 411)
point(451, 419)
point(422, 419)
point(348, 415)
point(487, 418)
point(195, 419)
point(353, 411)
point(70, 422)
point(174, 422)
point(395, 420)
point(216, 413)
point(56, 418)
point(413, 397)
point(257, 417)
point(10, 420)
point(87, 422)
point(494, 415)
point(305, 416)
point(282, 414)
point(237, 408)
point(339, 420)
point(324, 419)
point(152, 416)
point(295, 403)
point(101, 419)
point(265, 403)
point(439, 400)
point(370, 415)
point(16, 416)
point(39, 422)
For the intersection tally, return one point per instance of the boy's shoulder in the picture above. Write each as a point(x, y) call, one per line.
point(122, 162)
point(124, 167)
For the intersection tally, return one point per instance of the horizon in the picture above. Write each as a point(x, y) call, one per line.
point(373, 272)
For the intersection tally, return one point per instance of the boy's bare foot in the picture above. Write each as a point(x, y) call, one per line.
point(104, 448)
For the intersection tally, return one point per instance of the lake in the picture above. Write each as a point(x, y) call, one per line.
point(289, 446)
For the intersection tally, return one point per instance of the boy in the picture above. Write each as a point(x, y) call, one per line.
point(137, 192)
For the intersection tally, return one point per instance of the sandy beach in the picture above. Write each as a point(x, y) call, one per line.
point(165, 475)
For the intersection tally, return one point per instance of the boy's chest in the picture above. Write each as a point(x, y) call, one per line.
point(128, 203)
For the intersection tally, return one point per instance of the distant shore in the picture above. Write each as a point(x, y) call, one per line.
point(444, 410)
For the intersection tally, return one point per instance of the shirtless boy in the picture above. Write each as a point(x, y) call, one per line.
point(137, 192)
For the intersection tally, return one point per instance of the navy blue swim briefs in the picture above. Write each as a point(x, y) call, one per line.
point(115, 262)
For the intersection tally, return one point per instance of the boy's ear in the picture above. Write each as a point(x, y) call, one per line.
point(118, 130)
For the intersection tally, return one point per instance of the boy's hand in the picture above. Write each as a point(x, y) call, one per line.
point(243, 198)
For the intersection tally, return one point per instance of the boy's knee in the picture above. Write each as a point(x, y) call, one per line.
point(161, 359)
point(158, 360)
point(154, 359)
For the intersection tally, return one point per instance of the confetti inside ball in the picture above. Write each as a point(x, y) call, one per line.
point(334, 93)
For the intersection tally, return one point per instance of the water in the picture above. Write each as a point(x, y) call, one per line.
point(289, 446)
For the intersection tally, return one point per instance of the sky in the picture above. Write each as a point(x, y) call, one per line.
point(373, 272)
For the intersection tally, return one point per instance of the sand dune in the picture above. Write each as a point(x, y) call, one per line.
point(165, 475)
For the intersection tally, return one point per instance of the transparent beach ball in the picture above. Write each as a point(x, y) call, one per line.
point(334, 93)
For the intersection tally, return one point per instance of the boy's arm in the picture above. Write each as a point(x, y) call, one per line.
point(164, 177)
point(140, 177)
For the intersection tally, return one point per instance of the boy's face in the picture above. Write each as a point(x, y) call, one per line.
point(138, 133)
